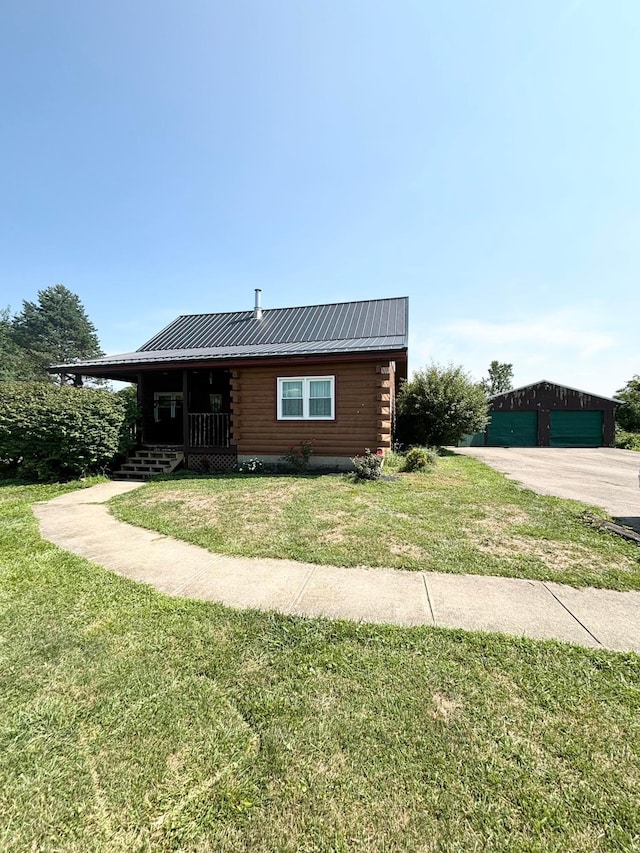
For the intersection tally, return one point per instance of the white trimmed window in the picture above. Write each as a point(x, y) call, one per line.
point(306, 398)
point(166, 405)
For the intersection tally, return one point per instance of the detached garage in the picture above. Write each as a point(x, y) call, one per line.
point(548, 415)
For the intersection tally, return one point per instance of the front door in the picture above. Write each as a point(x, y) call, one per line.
point(167, 417)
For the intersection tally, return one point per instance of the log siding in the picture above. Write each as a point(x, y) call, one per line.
point(364, 399)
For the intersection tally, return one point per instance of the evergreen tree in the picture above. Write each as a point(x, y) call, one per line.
point(54, 330)
point(15, 364)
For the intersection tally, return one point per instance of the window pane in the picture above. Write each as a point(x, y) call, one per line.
point(291, 390)
point(292, 408)
point(319, 388)
point(320, 408)
point(320, 398)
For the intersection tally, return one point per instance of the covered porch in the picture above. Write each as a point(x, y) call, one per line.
point(188, 410)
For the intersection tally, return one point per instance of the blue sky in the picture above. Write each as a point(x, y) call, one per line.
point(482, 158)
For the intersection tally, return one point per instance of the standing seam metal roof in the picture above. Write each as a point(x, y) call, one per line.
point(346, 321)
point(359, 345)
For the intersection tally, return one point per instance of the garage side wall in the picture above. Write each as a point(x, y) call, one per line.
point(546, 398)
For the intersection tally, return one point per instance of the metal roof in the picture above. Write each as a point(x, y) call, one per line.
point(344, 321)
point(556, 385)
point(256, 351)
point(349, 327)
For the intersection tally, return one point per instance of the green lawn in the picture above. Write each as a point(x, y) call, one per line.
point(130, 721)
point(460, 517)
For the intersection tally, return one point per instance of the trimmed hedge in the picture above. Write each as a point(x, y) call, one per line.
point(48, 432)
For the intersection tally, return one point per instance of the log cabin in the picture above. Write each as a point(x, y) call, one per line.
point(215, 390)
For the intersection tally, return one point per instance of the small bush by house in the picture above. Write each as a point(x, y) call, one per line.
point(419, 459)
point(298, 456)
point(368, 466)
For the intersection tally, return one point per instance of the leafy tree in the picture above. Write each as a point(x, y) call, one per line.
point(500, 378)
point(628, 415)
point(439, 405)
point(54, 330)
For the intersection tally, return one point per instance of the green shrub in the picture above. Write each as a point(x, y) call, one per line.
point(367, 467)
point(299, 455)
point(627, 440)
point(48, 432)
point(419, 458)
point(132, 419)
point(393, 460)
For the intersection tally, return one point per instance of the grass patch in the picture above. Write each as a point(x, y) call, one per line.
point(460, 516)
point(132, 721)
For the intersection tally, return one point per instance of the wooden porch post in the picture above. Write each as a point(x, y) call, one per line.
point(185, 410)
point(140, 402)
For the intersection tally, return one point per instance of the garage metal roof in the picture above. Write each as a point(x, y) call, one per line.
point(348, 327)
point(549, 384)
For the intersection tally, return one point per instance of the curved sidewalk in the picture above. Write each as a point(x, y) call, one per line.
point(81, 523)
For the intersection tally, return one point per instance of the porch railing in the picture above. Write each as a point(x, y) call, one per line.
point(209, 430)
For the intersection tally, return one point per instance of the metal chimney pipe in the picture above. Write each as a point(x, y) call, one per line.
point(257, 309)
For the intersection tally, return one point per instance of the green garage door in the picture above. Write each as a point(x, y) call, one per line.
point(576, 429)
point(513, 429)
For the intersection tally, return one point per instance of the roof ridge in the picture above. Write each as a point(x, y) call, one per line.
point(291, 307)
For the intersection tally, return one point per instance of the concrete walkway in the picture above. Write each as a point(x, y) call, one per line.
point(81, 523)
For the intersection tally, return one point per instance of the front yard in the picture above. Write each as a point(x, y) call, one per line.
point(459, 517)
point(132, 721)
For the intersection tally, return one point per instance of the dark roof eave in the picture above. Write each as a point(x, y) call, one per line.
point(119, 370)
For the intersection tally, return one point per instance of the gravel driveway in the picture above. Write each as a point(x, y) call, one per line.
point(602, 476)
